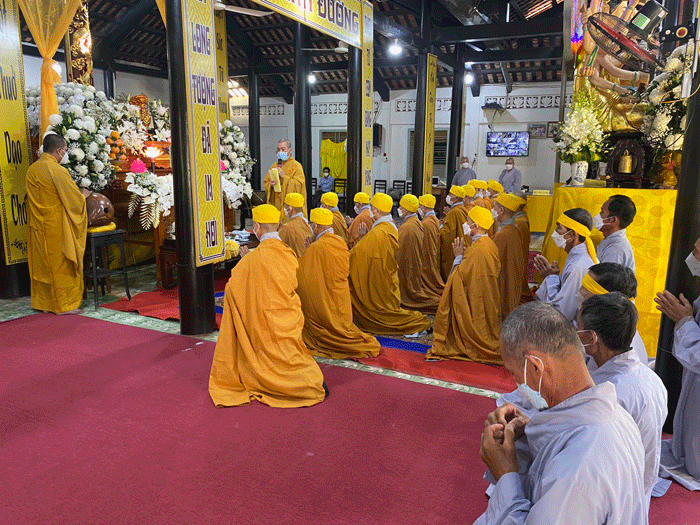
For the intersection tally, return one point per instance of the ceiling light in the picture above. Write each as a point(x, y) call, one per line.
point(468, 78)
point(469, 64)
point(312, 78)
point(395, 48)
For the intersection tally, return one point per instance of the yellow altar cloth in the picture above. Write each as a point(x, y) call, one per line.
point(539, 207)
point(649, 234)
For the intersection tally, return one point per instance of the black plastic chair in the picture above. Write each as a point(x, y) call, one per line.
point(380, 186)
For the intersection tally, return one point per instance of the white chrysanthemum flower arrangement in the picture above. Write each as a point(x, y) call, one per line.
point(581, 137)
point(152, 194)
point(236, 165)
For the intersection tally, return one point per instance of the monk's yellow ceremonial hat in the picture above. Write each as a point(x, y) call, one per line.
point(362, 197)
point(330, 199)
point(469, 190)
point(479, 184)
point(295, 200)
point(383, 202)
point(457, 191)
point(427, 200)
point(509, 201)
point(494, 185)
point(519, 200)
point(409, 203)
point(481, 216)
point(322, 216)
point(266, 214)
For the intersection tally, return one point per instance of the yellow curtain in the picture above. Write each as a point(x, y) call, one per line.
point(161, 8)
point(48, 21)
point(335, 157)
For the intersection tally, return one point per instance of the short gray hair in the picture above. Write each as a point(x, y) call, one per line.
point(289, 144)
point(539, 325)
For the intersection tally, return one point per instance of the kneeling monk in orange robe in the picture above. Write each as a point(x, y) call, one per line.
point(329, 201)
point(325, 295)
point(508, 240)
point(374, 278)
point(431, 278)
point(451, 228)
point(363, 216)
point(409, 255)
point(295, 232)
point(467, 324)
point(260, 353)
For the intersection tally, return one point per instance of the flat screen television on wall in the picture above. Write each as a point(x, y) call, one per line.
point(507, 144)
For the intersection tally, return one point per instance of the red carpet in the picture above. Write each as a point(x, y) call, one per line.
point(490, 377)
point(97, 432)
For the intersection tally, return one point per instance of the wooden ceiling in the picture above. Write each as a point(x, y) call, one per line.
point(129, 36)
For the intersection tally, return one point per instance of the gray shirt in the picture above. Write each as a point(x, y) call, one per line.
point(615, 248)
point(512, 180)
point(463, 176)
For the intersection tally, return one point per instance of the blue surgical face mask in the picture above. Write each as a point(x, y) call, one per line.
point(283, 155)
point(535, 398)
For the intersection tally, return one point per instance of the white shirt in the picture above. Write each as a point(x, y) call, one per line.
point(560, 290)
point(616, 248)
point(587, 467)
point(271, 235)
point(385, 218)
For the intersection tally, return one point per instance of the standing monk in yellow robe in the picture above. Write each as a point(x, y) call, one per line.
point(508, 240)
point(431, 278)
point(493, 190)
point(481, 193)
point(364, 217)
point(56, 231)
point(374, 278)
point(291, 178)
point(329, 201)
point(295, 232)
point(260, 353)
point(324, 291)
point(468, 322)
point(451, 228)
point(409, 256)
point(523, 224)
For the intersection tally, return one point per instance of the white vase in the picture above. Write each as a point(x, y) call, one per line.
point(579, 171)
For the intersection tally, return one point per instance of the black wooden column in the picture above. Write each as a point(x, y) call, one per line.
point(421, 97)
point(254, 126)
point(195, 284)
point(355, 125)
point(686, 230)
point(108, 76)
point(302, 104)
point(454, 147)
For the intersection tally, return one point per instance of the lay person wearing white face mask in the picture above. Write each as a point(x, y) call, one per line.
point(464, 174)
point(57, 231)
point(684, 452)
point(572, 234)
point(510, 178)
point(291, 178)
point(451, 228)
point(586, 458)
point(468, 319)
point(616, 214)
point(363, 218)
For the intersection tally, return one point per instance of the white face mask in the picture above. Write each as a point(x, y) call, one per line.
point(558, 240)
point(494, 214)
point(693, 265)
point(358, 208)
point(465, 165)
point(326, 174)
point(64, 159)
point(509, 167)
point(538, 402)
point(466, 229)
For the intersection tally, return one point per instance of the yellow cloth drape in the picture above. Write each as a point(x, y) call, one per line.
point(649, 235)
point(48, 21)
point(334, 157)
point(161, 8)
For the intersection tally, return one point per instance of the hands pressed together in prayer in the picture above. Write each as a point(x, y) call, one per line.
point(446, 210)
point(348, 220)
point(544, 267)
point(675, 308)
point(243, 251)
point(308, 241)
point(458, 246)
point(502, 428)
point(362, 230)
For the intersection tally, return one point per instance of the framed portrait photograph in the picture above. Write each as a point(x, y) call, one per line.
point(552, 129)
point(537, 131)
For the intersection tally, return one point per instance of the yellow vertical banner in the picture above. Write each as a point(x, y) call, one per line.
point(222, 63)
point(203, 117)
point(15, 151)
point(429, 145)
point(367, 93)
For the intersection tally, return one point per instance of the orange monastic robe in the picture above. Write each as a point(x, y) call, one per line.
point(433, 284)
point(260, 353)
point(409, 258)
point(508, 241)
point(365, 217)
point(468, 321)
point(324, 291)
point(523, 224)
point(295, 233)
point(340, 227)
point(374, 286)
point(452, 227)
point(56, 233)
point(292, 182)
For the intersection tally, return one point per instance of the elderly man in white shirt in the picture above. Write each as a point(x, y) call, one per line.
point(510, 178)
point(587, 457)
point(573, 235)
point(616, 214)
